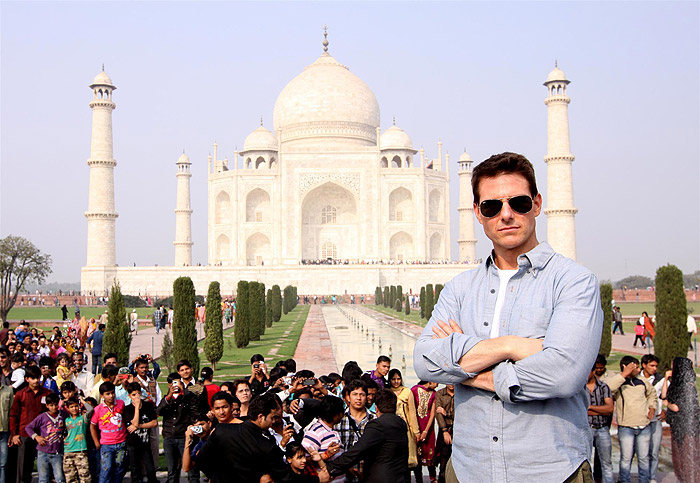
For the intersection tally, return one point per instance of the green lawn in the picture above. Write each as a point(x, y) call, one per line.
point(636, 308)
point(413, 317)
point(53, 314)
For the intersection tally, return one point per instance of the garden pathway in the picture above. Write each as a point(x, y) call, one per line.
point(314, 350)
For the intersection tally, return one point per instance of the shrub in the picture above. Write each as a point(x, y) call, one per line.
point(429, 300)
point(392, 295)
point(241, 330)
point(378, 296)
point(385, 298)
point(407, 306)
point(399, 293)
point(671, 338)
point(268, 308)
point(438, 289)
point(254, 310)
point(214, 326)
point(132, 301)
point(606, 293)
point(397, 305)
point(117, 337)
point(166, 352)
point(262, 308)
point(276, 303)
point(421, 302)
point(184, 329)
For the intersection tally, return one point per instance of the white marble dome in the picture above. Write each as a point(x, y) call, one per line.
point(557, 75)
point(327, 103)
point(464, 157)
point(395, 138)
point(260, 140)
point(183, 159)
point(102, 79)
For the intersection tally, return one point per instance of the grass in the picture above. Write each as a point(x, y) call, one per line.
point(54, 314)
point(636, 308)
point(413, 317)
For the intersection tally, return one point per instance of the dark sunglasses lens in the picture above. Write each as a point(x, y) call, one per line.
point(521, 204)
point(490, 208)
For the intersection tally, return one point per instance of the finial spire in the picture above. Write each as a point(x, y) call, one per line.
point(325, 38)
point(261, 122)
point(103, 66)
point(394, 120)
point(556, 64)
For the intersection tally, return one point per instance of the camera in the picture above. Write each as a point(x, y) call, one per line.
point(197, 429)
point(256, 366)
point(309, 382)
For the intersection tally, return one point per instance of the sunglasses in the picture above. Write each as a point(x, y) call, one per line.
point(520, 204)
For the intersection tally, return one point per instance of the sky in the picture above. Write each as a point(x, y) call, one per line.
point(467, 73)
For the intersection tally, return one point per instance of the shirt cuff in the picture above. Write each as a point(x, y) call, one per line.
point(444, 358)
point(505, 381)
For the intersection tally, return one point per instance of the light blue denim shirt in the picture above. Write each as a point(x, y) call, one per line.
point(535, 427)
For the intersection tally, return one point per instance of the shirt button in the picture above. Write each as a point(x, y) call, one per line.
point(495, 439)
point(493, 290)
point(486, 323)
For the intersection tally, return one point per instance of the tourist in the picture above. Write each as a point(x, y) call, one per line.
point(109, 435)
point(5, 367)
point(83, 379)
point(96, 341)
point(7, 396)
point(600, 412)
point(134, 322)
point(320, 436)
point(639, 333)
point(47, 431)
point(225, 409)
point(46, 367)
point(553, 319)
point(4, 333)
point(140, 417)
point(18, 370)
point(650, 365)
point(424, 398)
point(109, 374)
point(635, 406)
point(406, 410)
point(157, 318)
point(683, 416)
point(382, 447)
point(206, 378)
point(64, 312)
point(378, 375)
point(445, 414)
point(62, 369)
point(692, 329)
point(258, 380)
point(241, 389)
point(354, 421)
point(76, 467)
point(151, 373)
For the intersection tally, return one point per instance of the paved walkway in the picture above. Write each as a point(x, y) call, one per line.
point(624, 343)
point(314, 350)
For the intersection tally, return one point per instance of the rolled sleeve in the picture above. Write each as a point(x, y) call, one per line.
point(505, 381)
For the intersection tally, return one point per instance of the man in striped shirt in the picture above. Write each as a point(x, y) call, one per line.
point(320, 436)
point(354, 421)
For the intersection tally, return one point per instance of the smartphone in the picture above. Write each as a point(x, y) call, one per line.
point(309, 382)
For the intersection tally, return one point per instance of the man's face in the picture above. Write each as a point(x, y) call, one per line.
point(4, 359)
point(78, 361)
point(651, 367)
point(185, 372)
point(383, 368)
point(357, 398)
point(111, 360)
point(508, 230)
point(371, 392)
point(268, 421)
point(108, 397)
point(222, 410)
point(600, 369)
point(142, 369)
point(34, 383)
point(45, 370)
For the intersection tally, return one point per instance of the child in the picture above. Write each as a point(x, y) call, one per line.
point(140, 417)
point(47, 430)
point(111, 437)
point(46, 366)
point(75, 460)
point(296, 457)
point(17, 365)
point(62, 371)
point(639, 334)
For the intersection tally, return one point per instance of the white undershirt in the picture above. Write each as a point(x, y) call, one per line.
point(504, 276)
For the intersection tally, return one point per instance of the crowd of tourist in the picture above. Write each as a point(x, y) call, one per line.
point(334, 261)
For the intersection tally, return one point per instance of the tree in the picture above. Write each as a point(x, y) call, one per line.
point(184, 328)
point(438, 289)
point(399, 293)
point(262, 309)
point(671, 338)
point(378, 296)
point(276, 303)
point(268, 308)
point(392, 295)
point(429, 300)
point(117, 336)
point(397, 305)
point(254, 312)
point(634, 282)
point(407, 306)
point(385, 298)
point(166, 352)
point(421, 302)
point(214, 326)
point(606, 293)
point(21, 262)
point(241, 330)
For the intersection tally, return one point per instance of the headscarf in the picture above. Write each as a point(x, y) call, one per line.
point(683, 393)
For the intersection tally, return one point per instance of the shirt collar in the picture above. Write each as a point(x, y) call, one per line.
point(536, 258)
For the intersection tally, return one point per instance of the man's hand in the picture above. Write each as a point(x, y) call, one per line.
point(131, 428)
point(16, 440)
point(441, 410)
point(443, 330)
point(294, 406)
point(522, 347)
point(483, 380)
point(40, 440)
point(628, 370)
point(447, 437)
point(287, 434)
point(266, 479)
point(650, 416)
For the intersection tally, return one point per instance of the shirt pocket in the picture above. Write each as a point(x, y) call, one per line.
point(533, 322)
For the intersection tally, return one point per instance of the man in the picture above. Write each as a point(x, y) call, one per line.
point(153, 396)
point(157, 318)
point(354, 421)
point(109, 374)
point(259, 382)
point(378, 375)
point(692, 329)
point(82, 379)
point(503, 334)
point(650, 366)
point(96, 340)
point(247, 450)
point(4, 333)
point(635, 405)
point(600, 413)
point(383, 446)
point(179, 410)
point(617, 320)
point(445, 415)
point(7, 396)
point(27, 405)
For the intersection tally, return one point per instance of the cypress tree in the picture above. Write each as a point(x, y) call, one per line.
point(276, 303)
point(385, 298)
point(184, 329)
point(254, 310)
point(377, 296)
point(262, 308)
point(421, 302)
point(242, 331)
point(268, 308)
point(286, 300)
point(606, 293)
point(397, 305)
point(438, 289)
point(213, 326)
point(407, 306)
point(117, 336)
point(671, 339)
point(295, 297)
point(166, 352)
point(399, 293)
point(429, 300)
point(392, 295)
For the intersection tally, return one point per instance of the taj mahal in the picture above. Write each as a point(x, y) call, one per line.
point(324, 200)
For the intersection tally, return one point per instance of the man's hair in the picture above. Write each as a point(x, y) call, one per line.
point(222, 395)
point(173, 376)
point(5, 325)
point(52, 398)
point(139, 362)
point(385, 401)
point(277, 373)
point(504, 163)
point(206, 373)
point(238, 382)
point(101, 327)
point(302, 392)
point(263, 404)
point(628, 360)
point(17, 357)
point(290, 365)
point(68, 386)
point(334, 376)
point(183, 363)
point(71, 401)
point(369, 382)
point(80, 355)
point(4, 350)
point(353, 385)
point(305, 374)
point(351, 371)
point(647, 358)
point(109, 370)
point(330, 407)
point(106, 387)
point(381, 359)
point(46, 361)
point(133, 387)
point(109, 355)
point(257, 358)
point(601, 360)
point(32, 372)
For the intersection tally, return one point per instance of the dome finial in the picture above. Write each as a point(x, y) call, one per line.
point(261, 121)
point(103, 66)
point(325, 38)
point(394, 120)
point(556, 64)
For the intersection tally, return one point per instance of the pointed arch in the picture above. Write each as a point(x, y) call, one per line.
point(329, 214)
point(223, 248)
point(222, 208)
point(258, 249)
point(401, 246)
point(435, 208)
point(401, 205)
point(436, 249)
point(257, 206)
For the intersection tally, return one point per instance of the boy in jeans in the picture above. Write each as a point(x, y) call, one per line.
point(140, 417)
point(111, 437)
point(47, 430)
point(75, 461)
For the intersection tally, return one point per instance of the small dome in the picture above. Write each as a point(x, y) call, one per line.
point(102, 79)
point(464, 157)
point(556, 75)
point(183, 159)
point(260, 140)
point(395, 138)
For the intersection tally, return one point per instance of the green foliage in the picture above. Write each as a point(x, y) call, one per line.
point(132, 301)
point(634, 282)
point(399, 293)
point(268, 308)
point(254, 313)
point(421, 302)
point(184, 328)
point(429, 300)
point(397, 305)
point(214, 325)
point(438, 289)
point(378, 296)
point(242, 329)
point(166, 352)
point(117, 336)
point(671, 338)
point(290, 299)
point(261, 308)
point(385, 298)
point(691, 279)
point(168, 301)
point(392, 295)
point(407, 306)
point(606, 293)
point(20, 263)
point(276, 303)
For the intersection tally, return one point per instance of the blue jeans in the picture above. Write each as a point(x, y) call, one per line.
point(173, 448)
point(4, 436)
point(634, 441)
point(112, 462)
point(654, 447)
point(45, 463)
point(96, 364)
point(603, 448)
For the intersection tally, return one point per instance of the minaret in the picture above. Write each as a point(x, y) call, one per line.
point(467, 240)
point(101, 217)
point(560, 211)
point(183, 214)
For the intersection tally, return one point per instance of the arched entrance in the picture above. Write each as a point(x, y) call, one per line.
point(329, 218)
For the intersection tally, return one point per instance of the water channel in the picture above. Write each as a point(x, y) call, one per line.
point(358, 337)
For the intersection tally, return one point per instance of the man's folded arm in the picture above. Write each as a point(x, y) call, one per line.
point(569, 348)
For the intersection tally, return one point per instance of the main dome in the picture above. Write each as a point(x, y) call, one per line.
point(327, 103)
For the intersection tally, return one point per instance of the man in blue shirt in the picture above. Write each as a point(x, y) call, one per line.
point(96, 340)
point(517, 336)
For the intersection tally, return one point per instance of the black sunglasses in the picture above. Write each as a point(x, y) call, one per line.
point(520, 204)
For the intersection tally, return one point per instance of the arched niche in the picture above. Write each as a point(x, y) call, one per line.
point(436, 251)
point(258, 249)
point(329, 213)
point(401, 205)
point(435, 206)
point(401, 246)
point(396, 161)
point(222, 208)
point(384, 163)
point(257, 206)
point(260, 163)
point(222, 248)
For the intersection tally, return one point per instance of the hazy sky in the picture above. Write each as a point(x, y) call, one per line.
point(471, 74)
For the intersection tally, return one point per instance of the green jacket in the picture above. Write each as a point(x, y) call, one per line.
point(7, 396)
